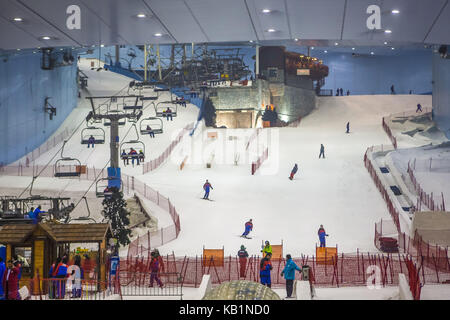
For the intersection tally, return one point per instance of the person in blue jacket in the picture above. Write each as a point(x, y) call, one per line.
point(36, 215)
point(293, 172)
point(2, 271)
point(61, 275)
point(264, 270)
point(322, 234)
point(289, 274)
point(207, 186)
point(91, 141)
point(248, 228)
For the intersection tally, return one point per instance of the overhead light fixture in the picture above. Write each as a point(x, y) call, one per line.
point(266, 10)
point(353, 48)
point(392, 48)
point(18, 49)
point(296, 39)
point(387, 31)
point(158, 34)
point(102, 45)
point(395, 11)
point(325, 51)
point(45, 38)
point(385, 42)
point(251, 41)
point(336, 43)
point(372, 53)
point(271, 30)
point(17, 19)
point(312, 48)
point(141, 15)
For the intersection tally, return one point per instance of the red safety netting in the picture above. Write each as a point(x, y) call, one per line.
point(155, 163)
point(256, 165)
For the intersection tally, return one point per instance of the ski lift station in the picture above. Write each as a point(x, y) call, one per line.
point(224, 150)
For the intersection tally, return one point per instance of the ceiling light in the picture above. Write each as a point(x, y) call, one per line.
point(312, 48)
point(385, 42)
point(336, 43)
point(141, 15)
point(392, 48)
point(325, 51)
point(102, 45)
point(17, 19)
point(387, 31)
point(271, 30)
point(251, 41)
point(296, 39)
point(353, 48)
point(158, 34)
point(266, 11)
point(395, 11)
point(18, 49)
point(46, 38)
point(372, 53)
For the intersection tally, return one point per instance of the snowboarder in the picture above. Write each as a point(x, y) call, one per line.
point(322, 234)
point(293, 172)
point(267, 249)
point(207, 186)
point(419, 108)
point(248, 228)
point(289, 274)
point(243, 255)
point(322, 151)
point(264, 270)
point(348, 127)
point(91, 140)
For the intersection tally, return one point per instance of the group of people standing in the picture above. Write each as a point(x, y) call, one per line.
point(340, 92)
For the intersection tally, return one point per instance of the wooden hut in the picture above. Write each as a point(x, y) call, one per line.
point(43, 242)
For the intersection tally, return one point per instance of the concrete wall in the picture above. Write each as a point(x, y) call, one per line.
point(24, 125)
point(292, 102)
point(441, 93)
point(375, 74)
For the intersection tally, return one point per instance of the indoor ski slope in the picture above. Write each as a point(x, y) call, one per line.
point(336, 191)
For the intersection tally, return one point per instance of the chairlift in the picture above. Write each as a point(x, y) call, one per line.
point(107, 122)
point(156, 125)
point(132, 103)
point(160, 110)
point(72, 162)
point(135, 145)
point(96, 132)
point(85, 218)
point(103, 188)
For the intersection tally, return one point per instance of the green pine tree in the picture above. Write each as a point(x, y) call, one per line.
point(114, 209)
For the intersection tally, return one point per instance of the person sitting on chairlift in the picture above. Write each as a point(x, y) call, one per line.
point(150, 131)
point(124, 157)
point(91, 140)
point(141, 156)
point(134, 155)
point(169, 114)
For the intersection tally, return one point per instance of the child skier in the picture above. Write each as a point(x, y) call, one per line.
point(293, 172)
point(207, 186)
point(248, 228)
point(322, 234)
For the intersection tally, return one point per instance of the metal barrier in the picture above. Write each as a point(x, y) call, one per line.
point(141, 284)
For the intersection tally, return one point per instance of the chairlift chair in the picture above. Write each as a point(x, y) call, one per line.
point(73, 162)
point(132, 103)
point(96, 132)
point(102, 184)
point(159, 110)
point(136, 145)
point(156, 125)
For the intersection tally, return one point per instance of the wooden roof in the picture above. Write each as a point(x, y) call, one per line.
point(89, 232)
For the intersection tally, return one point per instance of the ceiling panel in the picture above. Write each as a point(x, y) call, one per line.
point(440, 34)
point(176, 14)
point(316, 19)
point(411, 24)
point(12, 37)
point(223, 20)
point(277, 19)
point(33, 25)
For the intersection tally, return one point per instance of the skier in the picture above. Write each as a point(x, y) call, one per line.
point(264, 270)
point(248, 228)
point(322, 234)
point(91, 140)
point(348, 127)
point(243, 255)
point(289, 274)
point(341, 92)
point(392, 89)
point(293, 172)
point(419, 108)
point(322, 151)
point(267, 249)
point(134, 155)
point(150, 131)
point(207, 186)
point(169, 114)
